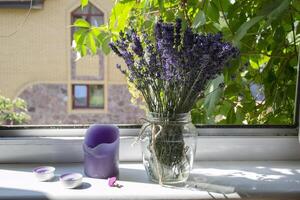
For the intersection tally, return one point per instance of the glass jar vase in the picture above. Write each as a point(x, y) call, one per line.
point(168, 147)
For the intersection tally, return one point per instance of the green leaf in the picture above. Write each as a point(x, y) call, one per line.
point(240, 116)
point(104, 38)
point(20, 104)
point(91, 43)
point(213, 12)
point(278, 11)
point(83, 50)
point(84, 3)
point(243, 29)
point(279, 34)
point(225, 4)
point(231, 116)
point(161, 5)
point(95, 31)
point(120, 15)
point(213, 95)
point(79, 36)
point(148, 24)
point(198, 116)
point(105, 47)
point(232, 90)
point(296, 4)
point(81, 23)
point(199, 19)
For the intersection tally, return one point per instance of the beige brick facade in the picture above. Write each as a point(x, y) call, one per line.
point(40, 54)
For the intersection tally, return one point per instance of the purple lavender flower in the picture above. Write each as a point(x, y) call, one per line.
point(119, 67)
point(115, 49)
point(136, 45)
point(178, 32)
point(158, 31)
point(173, 69)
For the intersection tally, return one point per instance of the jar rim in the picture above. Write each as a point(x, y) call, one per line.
point(180, 117)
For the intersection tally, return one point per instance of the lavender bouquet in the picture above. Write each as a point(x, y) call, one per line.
point(171, 68)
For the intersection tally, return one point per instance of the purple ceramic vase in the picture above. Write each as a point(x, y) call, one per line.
point(101, 151)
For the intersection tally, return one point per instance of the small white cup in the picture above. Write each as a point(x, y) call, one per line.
point(44, 173)
point(71, 180)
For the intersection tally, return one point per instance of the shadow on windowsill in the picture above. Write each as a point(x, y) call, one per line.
point(16, 194)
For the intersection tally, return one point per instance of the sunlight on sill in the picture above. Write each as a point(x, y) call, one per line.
point(283, 171)
point(208, 180)
point(238, 174)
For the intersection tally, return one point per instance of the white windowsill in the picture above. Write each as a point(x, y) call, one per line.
point(215, 180)
point(209, 148)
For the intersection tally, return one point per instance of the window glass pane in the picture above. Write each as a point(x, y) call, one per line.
point(96, 98)
point(57, 86)
point(96, 20)
point(89, 13)
point(80, 96)
point(84, 10)
point(95, 10)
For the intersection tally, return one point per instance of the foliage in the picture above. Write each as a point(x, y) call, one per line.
point(13, 112)
point(267, 33)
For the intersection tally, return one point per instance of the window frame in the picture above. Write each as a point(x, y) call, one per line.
point(25, 4)
point(214, 143)
point(74, 107)
point(15, 138)
point(65, 149)
point(88, 15)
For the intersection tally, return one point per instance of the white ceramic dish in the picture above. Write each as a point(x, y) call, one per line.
point(44, 173)
point(71, 180)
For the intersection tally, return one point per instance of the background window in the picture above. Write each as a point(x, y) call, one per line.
point(80, 96)
point(88, 96)
point(90, 13)
point(96, 96)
